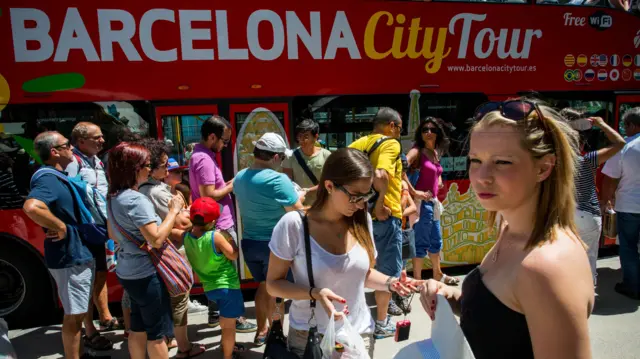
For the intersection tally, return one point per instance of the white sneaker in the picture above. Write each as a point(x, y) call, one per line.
point(196, 307)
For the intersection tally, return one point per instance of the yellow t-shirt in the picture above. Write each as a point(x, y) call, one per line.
point(386, 158)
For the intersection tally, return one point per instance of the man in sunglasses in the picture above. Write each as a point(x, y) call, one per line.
point(206, 180)
point(387, 213)
point(622, 176)
point(88, 141)
point(51, 205)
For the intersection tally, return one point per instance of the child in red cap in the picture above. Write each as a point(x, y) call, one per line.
point(211, 256)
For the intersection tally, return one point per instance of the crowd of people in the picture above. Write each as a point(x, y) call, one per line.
point(349, 208)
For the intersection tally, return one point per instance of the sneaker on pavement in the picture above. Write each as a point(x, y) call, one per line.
point(196, 307)
point(384, 329)
point(394, 309)
point(214, 319)
point(244, 326)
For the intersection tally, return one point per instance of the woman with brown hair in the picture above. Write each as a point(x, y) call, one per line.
point(342, 252)
point(129, 167)
point(532, 294)
point(430, 144)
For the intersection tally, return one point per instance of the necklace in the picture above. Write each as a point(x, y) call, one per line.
point(496, 254)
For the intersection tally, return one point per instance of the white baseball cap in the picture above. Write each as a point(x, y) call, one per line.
point(272, 142)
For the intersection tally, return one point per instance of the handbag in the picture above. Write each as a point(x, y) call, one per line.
point(170, 265)
point(276, 341)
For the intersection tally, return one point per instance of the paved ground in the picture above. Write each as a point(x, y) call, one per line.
point(614, 326)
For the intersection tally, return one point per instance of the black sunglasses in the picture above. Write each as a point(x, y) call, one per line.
point(355, 198)
point(512, 109)
point(434, 130)
point(64, 145)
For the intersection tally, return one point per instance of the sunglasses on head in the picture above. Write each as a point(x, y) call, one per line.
point(355, 198)
point(512, 109)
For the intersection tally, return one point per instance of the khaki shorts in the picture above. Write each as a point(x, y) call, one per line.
point(297, 341)
point(179, 308)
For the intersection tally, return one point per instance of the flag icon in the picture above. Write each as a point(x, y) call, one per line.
point(626, 74)
point(589, 75)
point(582, 60)
point(602, 75)
point(636, 74)
point(637, 60)
point(569, 60)
point(603, 60)
point(627, 60)
point(614, 60)
point(614, 75)
point(594, 60)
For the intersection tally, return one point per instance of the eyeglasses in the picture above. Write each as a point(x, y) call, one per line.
point(65, 146)
point(226, 142)
point(355, 198)
point(147, 165)
point(433, 130)
point(164, 165)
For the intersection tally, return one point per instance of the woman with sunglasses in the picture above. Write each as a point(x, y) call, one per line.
point(342, 252)
point(151, 322)
point(588, 216)
point(533, 293)
point(430, 143)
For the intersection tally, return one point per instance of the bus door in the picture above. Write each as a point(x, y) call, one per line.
point(248, 123)
point(179, 126)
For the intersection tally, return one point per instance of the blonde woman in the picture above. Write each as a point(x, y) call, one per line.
point(532, 294)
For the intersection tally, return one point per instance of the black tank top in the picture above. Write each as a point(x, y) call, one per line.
point(493, 330)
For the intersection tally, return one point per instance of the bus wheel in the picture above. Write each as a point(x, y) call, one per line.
point(26, 296)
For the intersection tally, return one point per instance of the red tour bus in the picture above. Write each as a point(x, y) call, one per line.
point(158, 68)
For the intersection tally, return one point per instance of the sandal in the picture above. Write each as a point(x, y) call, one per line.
point(97, 342)
point(196, 349)
point(260, 339)
point(111, 325)
point(449, 280)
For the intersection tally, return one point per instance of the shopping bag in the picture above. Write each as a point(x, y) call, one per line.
point(350, 339)
point(447, 340)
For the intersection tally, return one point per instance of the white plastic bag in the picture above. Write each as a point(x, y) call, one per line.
point(347, 336)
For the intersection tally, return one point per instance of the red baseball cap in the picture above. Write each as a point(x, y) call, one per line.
point(206, 208)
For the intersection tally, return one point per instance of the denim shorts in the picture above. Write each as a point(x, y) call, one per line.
point(256, 257)
point(427, 230)
point(388, 238)
point(230, 301)
point(150, 306)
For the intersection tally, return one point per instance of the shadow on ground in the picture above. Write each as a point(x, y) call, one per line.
point(608, 301)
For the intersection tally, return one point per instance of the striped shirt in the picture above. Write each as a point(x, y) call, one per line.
point(10, 198)
point(586, 197)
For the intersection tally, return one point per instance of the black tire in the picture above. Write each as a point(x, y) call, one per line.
point(26, 290)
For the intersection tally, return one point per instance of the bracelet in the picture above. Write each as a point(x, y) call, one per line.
point(311, 295)
point(388, 283)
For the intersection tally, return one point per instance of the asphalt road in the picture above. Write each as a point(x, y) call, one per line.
point(614, 328)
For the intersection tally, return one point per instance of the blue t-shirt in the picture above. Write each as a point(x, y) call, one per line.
point(132, 210)
point(71, 251)
point(262, 195)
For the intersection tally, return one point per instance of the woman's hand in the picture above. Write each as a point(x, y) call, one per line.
point(326, 297)
point(428, 295)
point(406, 285)
point(425, 196)
point(176, 204)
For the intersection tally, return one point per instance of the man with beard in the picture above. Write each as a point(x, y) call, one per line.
point(206, 180)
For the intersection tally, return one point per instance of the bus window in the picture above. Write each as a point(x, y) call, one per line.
point(455, 112)
point(20, 124)
point(344, 119)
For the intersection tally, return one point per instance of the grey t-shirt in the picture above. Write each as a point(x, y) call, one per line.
point(160, 195)
point(132, 210)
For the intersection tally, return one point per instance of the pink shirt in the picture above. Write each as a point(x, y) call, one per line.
point(203, 170)
point(429, 174)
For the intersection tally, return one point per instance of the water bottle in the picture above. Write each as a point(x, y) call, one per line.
point(609, 225)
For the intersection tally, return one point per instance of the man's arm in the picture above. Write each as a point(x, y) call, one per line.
point(209, 190)
point(40, 213)
point(296, 207)
point(609, 186)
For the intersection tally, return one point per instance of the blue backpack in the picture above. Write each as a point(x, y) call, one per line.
point(88, 203)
